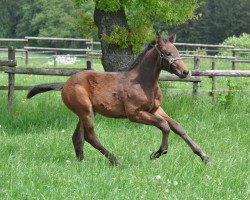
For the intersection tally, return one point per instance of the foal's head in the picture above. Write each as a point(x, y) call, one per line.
point(170, 57)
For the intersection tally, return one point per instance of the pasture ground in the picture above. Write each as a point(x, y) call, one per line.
point(37, 159)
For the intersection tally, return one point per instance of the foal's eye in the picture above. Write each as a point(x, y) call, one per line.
point(168, 54)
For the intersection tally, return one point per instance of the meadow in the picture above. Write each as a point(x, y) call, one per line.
point(38, 162)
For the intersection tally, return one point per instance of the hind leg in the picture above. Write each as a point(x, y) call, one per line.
point(76, 99)
point(78, 140)
point(87, 118)
point(91, 138)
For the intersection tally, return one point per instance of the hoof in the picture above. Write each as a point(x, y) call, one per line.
point(157, 154)
point(206, 160)
point(115, 163)
point(80, 158)
point(113, 160)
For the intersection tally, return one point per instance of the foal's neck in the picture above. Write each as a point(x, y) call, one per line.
point(148, 70)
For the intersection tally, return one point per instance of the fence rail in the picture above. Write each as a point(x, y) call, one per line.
point(243, 73)
point(197, 75)
point(58, 39)
point(42, 71)
point(91, 52)
point(10, 63)
point(13, 40)
point(56, 49)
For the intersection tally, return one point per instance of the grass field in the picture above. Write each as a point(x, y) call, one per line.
point(37, 159)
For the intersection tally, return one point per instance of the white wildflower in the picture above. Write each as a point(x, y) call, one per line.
point(62, 130)
point(175, 183)
point(158, 177)
point(208, 177)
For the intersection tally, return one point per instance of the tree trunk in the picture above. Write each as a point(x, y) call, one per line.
point(113, 56)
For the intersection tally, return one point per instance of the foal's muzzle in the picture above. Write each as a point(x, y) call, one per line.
point(185, 73)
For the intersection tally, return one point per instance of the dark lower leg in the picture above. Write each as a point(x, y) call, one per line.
point(195, 148)
point(78, 140)
point(175, 127)
point(91, 138)
point(158, 121)
point(163, 148)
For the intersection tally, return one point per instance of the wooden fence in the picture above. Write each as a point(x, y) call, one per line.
point(10, 67)
point(27, 49)
point(90, 51)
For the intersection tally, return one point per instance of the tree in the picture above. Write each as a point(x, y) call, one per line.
point(218, 21)
point(124, 25)
point(9, 18)
point(47, 18)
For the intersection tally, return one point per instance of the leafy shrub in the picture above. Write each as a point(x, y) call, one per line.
point(228, 98)
point(241, 42)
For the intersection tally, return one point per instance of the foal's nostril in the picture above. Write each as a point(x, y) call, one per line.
point(185, 72)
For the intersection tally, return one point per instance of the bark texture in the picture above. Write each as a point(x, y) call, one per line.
point(113, 56)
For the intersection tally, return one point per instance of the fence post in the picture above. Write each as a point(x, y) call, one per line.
point(11, 78)
point(54, 60)
point(89, 65)
point(233, 61)
point(196, 66)
point(214, 83)
point(91, 50)
point(26, 44)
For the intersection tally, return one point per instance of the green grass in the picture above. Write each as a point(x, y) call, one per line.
point(37, 158)
point(38, 162)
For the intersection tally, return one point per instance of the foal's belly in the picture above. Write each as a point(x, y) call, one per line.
point(106, 96)
point(109, 104)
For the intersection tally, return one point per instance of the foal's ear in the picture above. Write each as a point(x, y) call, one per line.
point(172, 38)
point(158, 34)
point(159, 39)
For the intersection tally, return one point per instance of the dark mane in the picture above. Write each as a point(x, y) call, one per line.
point(149, 46)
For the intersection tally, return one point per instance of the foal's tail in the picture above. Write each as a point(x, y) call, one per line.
point(44, 88)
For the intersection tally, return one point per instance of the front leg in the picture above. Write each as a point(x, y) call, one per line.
point(156, 120)
point(175, 127)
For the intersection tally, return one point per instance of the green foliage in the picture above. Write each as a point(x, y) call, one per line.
point(141, 17)
point(218, 20)
point(241, 42)
point(119, 36)
point(9, 18)
point(109, 6)
point(47, 18)
point(84, 22)
point(227, 99)
point(135, 38)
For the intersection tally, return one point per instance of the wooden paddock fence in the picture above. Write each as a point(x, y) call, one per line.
point(10, 67)
point(90, 51)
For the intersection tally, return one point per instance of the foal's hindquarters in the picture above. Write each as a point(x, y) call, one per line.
point(84, 94)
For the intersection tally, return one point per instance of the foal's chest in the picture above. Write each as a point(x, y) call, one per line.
point(148, 100)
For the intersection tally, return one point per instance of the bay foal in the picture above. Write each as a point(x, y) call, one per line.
point(133, 93)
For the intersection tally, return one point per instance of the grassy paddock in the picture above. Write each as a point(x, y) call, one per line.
point(37, 159)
